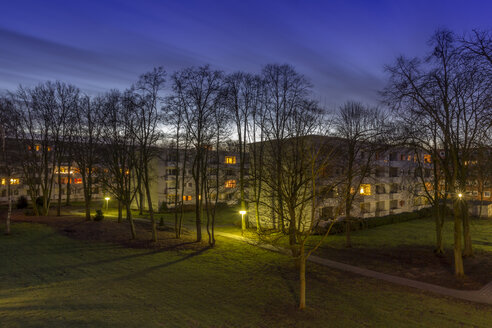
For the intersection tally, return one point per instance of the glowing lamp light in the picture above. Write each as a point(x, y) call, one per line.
point(107, 202)
point(243, 223)
point(460, 195)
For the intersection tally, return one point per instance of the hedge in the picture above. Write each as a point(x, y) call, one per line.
point(373, 222)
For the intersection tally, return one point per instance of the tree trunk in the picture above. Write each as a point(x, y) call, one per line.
point(257, 216)
point(468, 250)
point(58, 207)
point(438, 217)
point(69, 184)
point(130, 220)
point(348, 241)
point(9, 212)
point(120, 212)
point(292, 232)
point(141, 202)
point(302, 279)
point(198, 208)
point(88, 209)
point(458, 259)
point(151, 208)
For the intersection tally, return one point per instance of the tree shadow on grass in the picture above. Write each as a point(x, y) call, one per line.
point(148, 270)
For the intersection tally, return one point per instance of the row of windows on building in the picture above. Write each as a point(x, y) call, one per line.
point(171, 198)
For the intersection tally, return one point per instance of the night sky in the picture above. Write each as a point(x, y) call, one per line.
point(341, 46)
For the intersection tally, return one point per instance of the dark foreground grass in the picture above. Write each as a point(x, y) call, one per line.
point(48, 280)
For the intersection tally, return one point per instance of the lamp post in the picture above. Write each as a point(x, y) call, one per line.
point(243, 223)
point(107, 202)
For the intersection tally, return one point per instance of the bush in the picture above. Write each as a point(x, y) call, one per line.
point(99, 215)
point(368, 223)
point(22, 202)
point(163, 208)
point(39, 202)
point(161, 222)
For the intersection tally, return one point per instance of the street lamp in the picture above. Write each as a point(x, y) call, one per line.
point(243, 223)
point(460, 195)
point(107, 202)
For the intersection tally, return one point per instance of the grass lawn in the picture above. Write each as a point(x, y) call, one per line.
point(49, 280)
point(225, 217)
point(406, 249)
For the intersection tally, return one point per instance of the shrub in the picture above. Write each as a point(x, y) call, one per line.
point(161, 222)
point(22, 202)
point(163, 208)
point(39, 202)
point(99, 215)
point(368, 223)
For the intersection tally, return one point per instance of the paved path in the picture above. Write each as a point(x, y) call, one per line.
point(483, 295)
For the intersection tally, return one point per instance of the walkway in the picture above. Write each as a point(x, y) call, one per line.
point(483, 295)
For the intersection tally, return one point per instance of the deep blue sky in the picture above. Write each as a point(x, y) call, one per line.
point(341, 46)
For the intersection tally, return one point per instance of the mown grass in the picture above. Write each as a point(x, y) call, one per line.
point(419, 232)
point(48, 280)
point(225, 215)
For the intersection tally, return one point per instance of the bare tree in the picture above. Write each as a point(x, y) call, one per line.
point(360, 128)
point(478, 46)
point(87, 140)
point(256, 147)
point(62, 130)
point(198, 91)
point(305, 157)
point(285, 92)
point(455, 94)
point(425, 139)
point(242, 99)
point(9, 157)
point(119, 149)
point(34, 113)
point(180, 143)
point(147, 132)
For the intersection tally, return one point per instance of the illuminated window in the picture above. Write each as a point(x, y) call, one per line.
point(427, 158)
point(77, 181)
point(171, 198)
point(230, 160)
point(13, 181)
point(230, 184)
point(186, 197)
point(365, 189)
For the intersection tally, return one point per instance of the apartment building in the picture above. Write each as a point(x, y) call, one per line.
point(170, 180)
point(393, 186)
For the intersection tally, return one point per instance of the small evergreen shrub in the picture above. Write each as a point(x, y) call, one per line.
point(22, 202)
point(39, 202)
point(99, 215)
point(163, 208)
point(161, 222)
